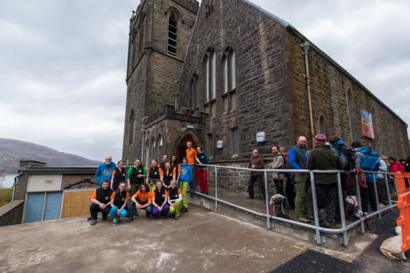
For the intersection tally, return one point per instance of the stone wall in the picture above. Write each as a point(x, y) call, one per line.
point(153, 82)
point(331, 88)
point(11, 213)
point(263, 83)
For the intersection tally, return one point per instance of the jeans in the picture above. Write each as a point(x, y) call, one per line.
point(326, 199)
point(114, 210)
point(132, 210)
point(255, 180)
point(94, 209)
point(156, 212)
point(368, 197)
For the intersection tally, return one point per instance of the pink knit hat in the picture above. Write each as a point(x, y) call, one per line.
point(320, 138)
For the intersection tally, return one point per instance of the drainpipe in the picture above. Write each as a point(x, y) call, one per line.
point(142, 137)
point(306, 47)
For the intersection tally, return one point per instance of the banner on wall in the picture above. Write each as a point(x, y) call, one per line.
point(367, 124)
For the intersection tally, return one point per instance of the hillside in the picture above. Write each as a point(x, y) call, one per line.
point(12, 151)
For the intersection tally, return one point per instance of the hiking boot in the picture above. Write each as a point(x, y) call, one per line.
point(115, 221)
point(184, 210)
point(176, 217)
point(92, 222)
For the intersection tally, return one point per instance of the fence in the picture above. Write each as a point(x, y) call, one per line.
point(219, 198)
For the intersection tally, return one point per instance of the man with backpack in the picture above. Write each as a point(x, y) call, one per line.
point(322, 158)
point(368, 161)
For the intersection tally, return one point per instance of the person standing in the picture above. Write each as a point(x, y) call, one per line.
point(100, 202)
point(202, 171)
point(323, 158)
point(174, 164)
point(163, 161)
point(104, 171)
point(135, 177)
point(168, 174)
point(191, 157)
point(154, 174)
point(185, 179)
point(118, 176)
point(407, 167)
point(278, 162)
point(255, 162)
point(298, 156)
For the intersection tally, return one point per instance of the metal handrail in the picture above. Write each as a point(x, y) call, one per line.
point(316, 227)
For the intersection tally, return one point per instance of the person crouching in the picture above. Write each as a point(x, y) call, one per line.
point(142, 199)
point(174, 200)
point(160, 206)
point(100, 202)
point(118, 202)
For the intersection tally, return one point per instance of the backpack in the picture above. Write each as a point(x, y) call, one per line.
point(370, 162)
point(347, 157)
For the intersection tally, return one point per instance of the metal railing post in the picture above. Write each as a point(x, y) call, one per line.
point(268, 223)
point(359, 200)
point(376, 195)
point(342, 209)
point(216, 187)
point(315, 208)
point(386, 181)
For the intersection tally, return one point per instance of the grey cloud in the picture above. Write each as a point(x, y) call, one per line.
point(63, 63)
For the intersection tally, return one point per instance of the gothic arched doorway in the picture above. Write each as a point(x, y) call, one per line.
point(181, 145)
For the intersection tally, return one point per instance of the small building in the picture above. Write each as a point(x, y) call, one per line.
point(51, 193)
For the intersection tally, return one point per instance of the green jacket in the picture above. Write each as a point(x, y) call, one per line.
point(323, 158)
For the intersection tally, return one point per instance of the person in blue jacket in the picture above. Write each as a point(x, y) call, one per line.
point(297, 159)
point(104, 171)
point(185, 180)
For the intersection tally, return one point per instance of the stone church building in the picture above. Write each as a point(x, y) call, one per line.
point(230, 76)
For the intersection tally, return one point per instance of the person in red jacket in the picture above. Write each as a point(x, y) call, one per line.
point(395, 166)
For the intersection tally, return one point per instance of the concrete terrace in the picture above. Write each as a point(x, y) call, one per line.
point(201, 241)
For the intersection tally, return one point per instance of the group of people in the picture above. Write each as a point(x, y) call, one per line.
point(327, 154)
point(160, 190)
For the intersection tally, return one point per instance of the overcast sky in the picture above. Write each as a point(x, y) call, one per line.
point(63, 62)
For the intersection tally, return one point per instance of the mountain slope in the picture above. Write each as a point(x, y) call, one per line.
point(12, 151)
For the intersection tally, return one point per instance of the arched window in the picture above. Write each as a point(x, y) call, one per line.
point(160, 145)
point(152, 149)
point(172, 34)
point(322, 125)
point(147, 156)
point(349, 102)
point(229, 70)
point(194, 83)
point(131, 128)
point(209, 76)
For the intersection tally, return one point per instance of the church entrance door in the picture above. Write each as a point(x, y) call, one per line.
point(180, 152)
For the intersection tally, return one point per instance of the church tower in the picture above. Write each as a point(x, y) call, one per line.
point(159, 35)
